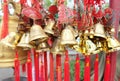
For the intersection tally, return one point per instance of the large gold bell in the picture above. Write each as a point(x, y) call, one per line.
point(49, 27)
point(99, 31)
point(43, 47)
point(68, 37)
point(37, 33)
point(24, 42)
point(75, 31)
point(7, 56)
point(11, 40)
point(57, 48)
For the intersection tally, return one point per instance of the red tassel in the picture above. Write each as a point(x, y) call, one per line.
point(87, 68)
point(29, 67)
point(96, 68)
point(4, 30)
point(36, 64)
point(66, 68)
point(77, 68)
point(24, 68)
point(107, 68)
point(17, 68)
point(51, 67)
point(58, 67)
point(45, 65)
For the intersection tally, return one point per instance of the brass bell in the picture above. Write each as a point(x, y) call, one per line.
point(75, 31)
point(12, 39)
point(37, 33)
point(91, 33)
point(49, 27)
point(57, 47)
point(113, 43)
point(99, 31)
point(24, 42)
point(43, 47)
point(68, 37)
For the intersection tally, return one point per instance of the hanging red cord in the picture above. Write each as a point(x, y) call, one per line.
point(51, 67)
point(77, 68)
point(4, 30)
point(17, 67)
point(87, 68)
point(29, 67)
point(58, 67)
point(107, 68)
point(66, 68)
point(96, 63)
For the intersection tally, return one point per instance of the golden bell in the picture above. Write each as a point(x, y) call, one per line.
point(7, 56)
point(113, 43)
point(11, 40)
point(68, 37)
point(91, 33)
point(57, 47)
point(99, 31)
point(43, 47)
point(37, 33)
point(49, 27)
point(24, 42)
point(75, 31)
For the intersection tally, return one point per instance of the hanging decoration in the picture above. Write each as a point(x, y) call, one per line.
point(58, 29)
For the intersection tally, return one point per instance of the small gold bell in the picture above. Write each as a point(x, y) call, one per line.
point(68, 37)
point(24, 42)
point(37, 33)
point(43, 47)
point(11, 40)
point(99, 31)
point(49, 27)
point(57, 47)
point(91, 33)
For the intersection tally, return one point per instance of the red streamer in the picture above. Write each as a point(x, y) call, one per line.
point(66, 68)
point(96, 68)
point(4, 30)
point(45, 65)
point(24, 68)
point(23, 1)
point(77, 68)
point(51, 67)
point(36, 64)
point(87, 68)
point(17, 68)
point(29, 67)
point(107, 69)
point(58, 67)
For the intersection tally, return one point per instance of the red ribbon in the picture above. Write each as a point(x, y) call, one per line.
point(24, 68)
point(77, 68)
point(107, 68)
point(51, 67)
point(29, 67)
point(66, 68)
point(58, 67)
point(45, 65)
point(17, 68)
point(4, 30)
point(87, 68)
point(36, 64)
point(96, 68)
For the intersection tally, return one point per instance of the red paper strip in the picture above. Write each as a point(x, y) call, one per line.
point(45, 65)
